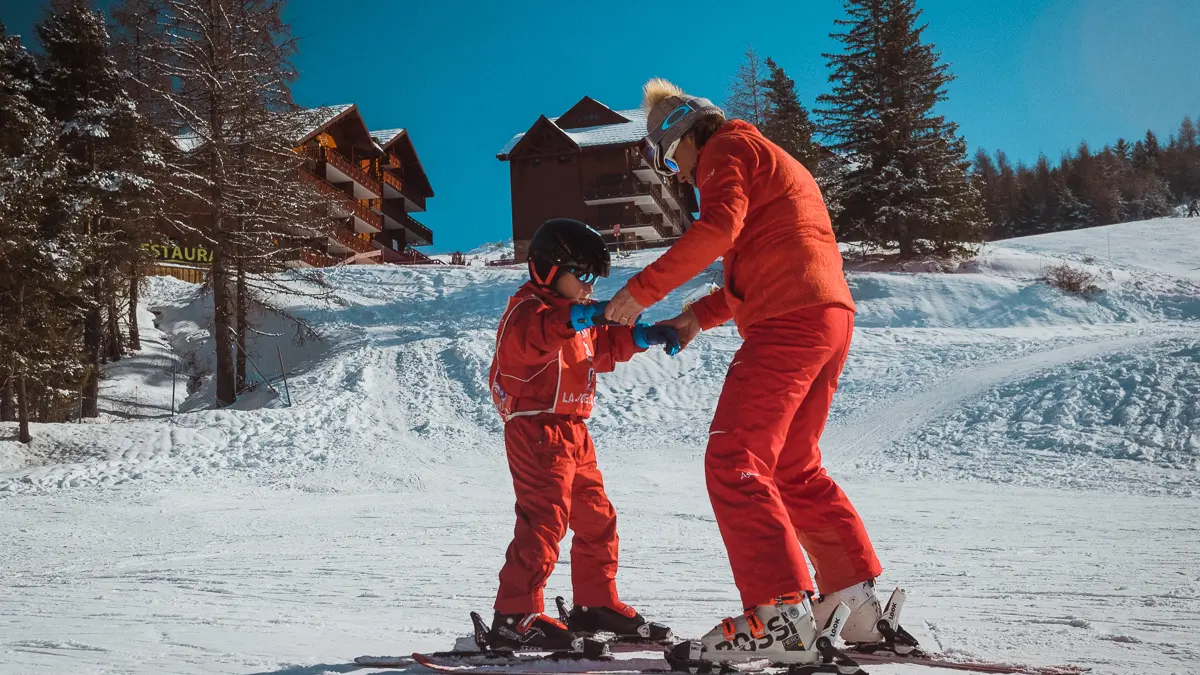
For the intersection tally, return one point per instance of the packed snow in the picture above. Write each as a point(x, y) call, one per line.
point(1026, 460)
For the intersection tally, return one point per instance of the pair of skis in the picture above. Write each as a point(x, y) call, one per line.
point(656, 653)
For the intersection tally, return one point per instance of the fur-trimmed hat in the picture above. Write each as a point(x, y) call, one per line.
point(670, 113)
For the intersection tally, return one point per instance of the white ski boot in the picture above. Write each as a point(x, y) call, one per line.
point(781, 632)
point(869, 627)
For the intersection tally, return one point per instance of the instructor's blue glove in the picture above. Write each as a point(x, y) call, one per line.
point(586, 316)
point(644, 336)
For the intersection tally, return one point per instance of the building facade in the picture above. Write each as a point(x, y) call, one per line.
point(586, 164)
point(374, 182)
point(369, 183)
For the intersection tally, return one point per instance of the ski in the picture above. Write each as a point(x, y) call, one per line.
point(537, 664)
point(949, 663)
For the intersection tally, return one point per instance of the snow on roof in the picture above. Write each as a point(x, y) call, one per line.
point(298, 125)
point(385, 136)
point(632, 131)
point(311, 119)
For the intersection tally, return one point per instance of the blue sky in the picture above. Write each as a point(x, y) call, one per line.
point(1033, 75)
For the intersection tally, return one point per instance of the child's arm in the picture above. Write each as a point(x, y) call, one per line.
point(614, 344)
point(535, 332)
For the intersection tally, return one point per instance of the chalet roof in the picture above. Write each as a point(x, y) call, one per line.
point(386, 136)
point(400, 142)
point(300, 126)
point(629, 132)
point(311, 120)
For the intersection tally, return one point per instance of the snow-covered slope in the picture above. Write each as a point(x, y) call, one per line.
point(1028, 462)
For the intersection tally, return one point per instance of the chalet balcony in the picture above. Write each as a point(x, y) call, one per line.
point(392, 185)
point(672, 221)
point(342, 205)
point(333, 167)
point(423, 234)
point(656, 221)
point(409, 256)
point(343, 240)
point(311, 258)
point(647, 226)
point(624, 191)
point(646, 174)
point(395, 219)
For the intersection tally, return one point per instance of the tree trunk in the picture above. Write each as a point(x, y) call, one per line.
point(135, 336)
point(6, 397)
point(241, 325)
point(93, 329)
point(116, 347)
point(93, 335)
point(22, 411)
point(222, 327)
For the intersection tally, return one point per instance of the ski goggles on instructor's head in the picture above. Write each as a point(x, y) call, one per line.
point(662, 162)
point(662, 139)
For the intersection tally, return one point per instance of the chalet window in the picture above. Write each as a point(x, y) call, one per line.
point(564, 159)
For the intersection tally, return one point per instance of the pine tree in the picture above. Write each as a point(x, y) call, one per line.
point(1153, 150)
point(786, 122)
point(1123, 151)
point(37, 254)
point(1187, 134)
point(106, 167)
point(909, 187)
point(748, 92)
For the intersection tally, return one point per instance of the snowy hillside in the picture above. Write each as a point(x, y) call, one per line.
point(481, 255)
point(1027, 461)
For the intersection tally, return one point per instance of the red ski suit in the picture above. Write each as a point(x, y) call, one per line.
point(762, 212)
point(543, 382)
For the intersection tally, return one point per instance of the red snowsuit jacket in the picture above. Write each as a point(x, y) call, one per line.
point(542, 365)
point(762, 211)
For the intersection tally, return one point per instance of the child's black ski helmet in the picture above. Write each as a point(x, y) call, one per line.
point(567, 245)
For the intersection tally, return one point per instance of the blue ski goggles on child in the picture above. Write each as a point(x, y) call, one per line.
point(584, 277)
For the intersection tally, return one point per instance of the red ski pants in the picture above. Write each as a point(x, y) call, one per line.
point(769, 492)
point(558, 485)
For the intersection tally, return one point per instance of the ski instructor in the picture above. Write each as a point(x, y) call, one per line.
point(762, 212)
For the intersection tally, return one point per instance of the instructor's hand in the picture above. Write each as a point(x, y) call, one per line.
point(623, 308)
point(686, 324)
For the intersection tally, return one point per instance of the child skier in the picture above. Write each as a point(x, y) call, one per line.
point(551, 343)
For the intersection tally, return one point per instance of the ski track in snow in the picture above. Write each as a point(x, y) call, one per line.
point(872, 429)
point(1026, 463)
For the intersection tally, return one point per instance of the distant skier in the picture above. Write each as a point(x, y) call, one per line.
point(551, 343)
point(785, 289)
point(1193, 209)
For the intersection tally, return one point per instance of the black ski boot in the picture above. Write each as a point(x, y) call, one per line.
point(531, 632)
point(619, 621)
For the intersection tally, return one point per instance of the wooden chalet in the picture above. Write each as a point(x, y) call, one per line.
point(375, 182)
point(586, 164)
point(372, 183)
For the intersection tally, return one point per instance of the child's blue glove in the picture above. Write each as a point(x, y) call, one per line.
point(645, 335)
point(586, 316)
